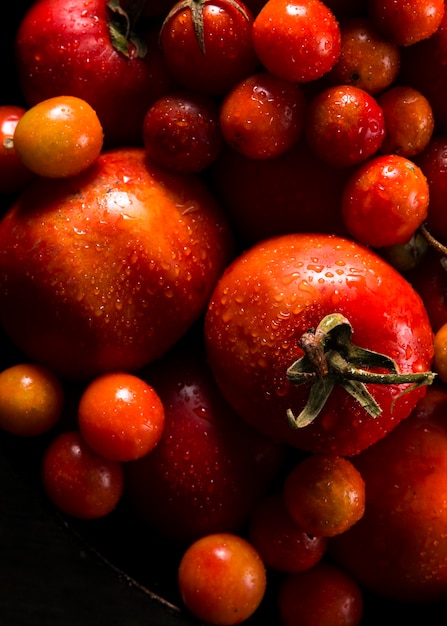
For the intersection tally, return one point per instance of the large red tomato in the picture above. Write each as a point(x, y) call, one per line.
point(399, 547)
point(261, 310)
point(107, 269)
point(82, 48)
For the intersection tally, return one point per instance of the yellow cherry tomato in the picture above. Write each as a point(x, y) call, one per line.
point(59, 137)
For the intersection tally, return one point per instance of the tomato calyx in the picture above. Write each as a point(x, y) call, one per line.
point(330, 358)
point(123, 28)
point(196, 7)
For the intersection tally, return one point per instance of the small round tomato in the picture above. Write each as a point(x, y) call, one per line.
point(77, 480)
point(298, 40)
point(405, 23)
point(440, 356)
point(344, 125)
point(385, 201)
point(433, 163)
point(120, 416)
point(181, 132)
point(409, 121)
point(222, 579)
point(367, 59)
point(14, 175)
point(31, 399)
point(59, 137)
point(321, 596)
point(324, 495)
point(283, 545)
point(207, 44)
point(263, 115)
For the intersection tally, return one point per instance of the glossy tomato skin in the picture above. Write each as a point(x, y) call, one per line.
point(115, 264)
point(399, 548)
point(207, 471)
point(280, 288)
point(298, 40)
point(63, 47)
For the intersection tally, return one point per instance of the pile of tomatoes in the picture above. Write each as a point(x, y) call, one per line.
point(222, 294)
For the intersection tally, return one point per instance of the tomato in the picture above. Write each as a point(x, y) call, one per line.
point(367, 59)
point(207, 44)
point(385, 201)
point(31, 399)
point(344, 125)
point(409, 121)
point(263, 115)
point(181, 132)
point(115, 264)
point(398, 549)
point(429, 279)
point(120, 416)
point(59, 137)
point(14, 175)
point(324, 495)
point(406, 23)
point(440, 356)
point(77, 480)
point(207, 471)
point(260, 313)
point(282, 544)
point(79, 48)
point(295, 191)
point(321, 596)
point(433, 163)
point(298, 40)
point(222, 579)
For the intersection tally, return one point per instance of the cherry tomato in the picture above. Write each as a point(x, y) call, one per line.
point(77, 480)
point(256, 329)
point(440, 356)
point(321, 596)
point(207, 44)
point(14, 175)
point(181, 132)
point(344, 125)
point(31, 399)
point(385, 201)
point(324, 495)
point(398, 549)
point(263, 115)
point(120, 416)
point(59, 137)
point(298, 40)
point(429, 279)
point(409, 121)
point(367, 59)
point(405, 23)
point(282, 544)
point(222, 579)
point(433, 163)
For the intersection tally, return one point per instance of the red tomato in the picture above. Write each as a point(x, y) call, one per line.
point(207, 44)
point(405, 23)
point(283, 545)
point(115, 264)
point(65, 47)
point(222, 579)
point(324, 595)
point(207, 471)
point(433, 163)
point(298, 40)
point(344, 125)
point(399, 547)
point(120, 416)
point(78, 481)
point(14, 175)
point(257, 324)
point(385, 201)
